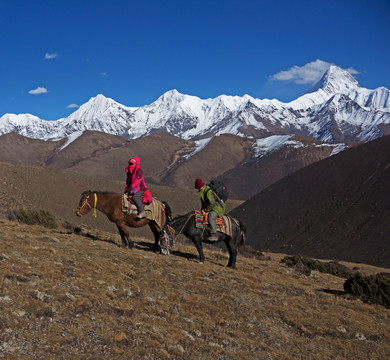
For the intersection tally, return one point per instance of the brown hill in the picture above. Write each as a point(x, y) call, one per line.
point(17, 149)
point(254, 174)
point(337, 208)
point(90, 145)
point(158, 153)
point(221, 154)
point(64, 296)
point(228, 157)
point(96, 154)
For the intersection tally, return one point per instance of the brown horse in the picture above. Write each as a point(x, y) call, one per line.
point(110, 204)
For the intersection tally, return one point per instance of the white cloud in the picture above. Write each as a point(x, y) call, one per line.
point(352, 71)
point(71, 106)
point(38, 90)
point(50, 56)
point(309, 73)
point(103, 74)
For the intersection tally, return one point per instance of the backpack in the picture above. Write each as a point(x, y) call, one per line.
point(220, 189)
point(147, 197)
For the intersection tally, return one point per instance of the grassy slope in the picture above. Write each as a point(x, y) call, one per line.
point(66, 296)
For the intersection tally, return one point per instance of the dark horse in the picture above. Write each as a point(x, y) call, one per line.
point(110, 204)
point(185, 224)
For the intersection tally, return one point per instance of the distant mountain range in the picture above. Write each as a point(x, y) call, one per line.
point(248, 143)
point(336, 109)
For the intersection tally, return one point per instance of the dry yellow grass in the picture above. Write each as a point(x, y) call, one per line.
point(65, 296)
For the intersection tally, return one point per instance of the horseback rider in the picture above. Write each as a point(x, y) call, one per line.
point(135, 185)
point(212, 205)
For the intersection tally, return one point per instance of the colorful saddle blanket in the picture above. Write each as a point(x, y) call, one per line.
point(155, 211)
point(224, 223)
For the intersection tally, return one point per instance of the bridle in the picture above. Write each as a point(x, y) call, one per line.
point(79, 210)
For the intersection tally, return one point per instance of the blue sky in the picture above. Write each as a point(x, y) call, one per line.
point(56, 55)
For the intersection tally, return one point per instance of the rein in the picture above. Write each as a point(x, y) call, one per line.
point(183, 226)
point(94, 207)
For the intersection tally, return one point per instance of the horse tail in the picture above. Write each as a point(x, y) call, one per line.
point(241, 244)
point(168, 212)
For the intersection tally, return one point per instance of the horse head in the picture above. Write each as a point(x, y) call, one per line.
point(85, 204)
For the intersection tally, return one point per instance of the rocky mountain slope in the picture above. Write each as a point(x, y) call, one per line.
point(336, 208)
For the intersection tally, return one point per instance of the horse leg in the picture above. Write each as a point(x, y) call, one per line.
point(155, 231)
point(197, 240)
point(232, 248)
point(124, 233)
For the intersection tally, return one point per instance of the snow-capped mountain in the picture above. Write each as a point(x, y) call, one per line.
point(335, 109)
point(335, 80)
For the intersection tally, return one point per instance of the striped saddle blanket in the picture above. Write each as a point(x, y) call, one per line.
point(224, 223)
point(155, 211)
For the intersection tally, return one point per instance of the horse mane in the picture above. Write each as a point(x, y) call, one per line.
point(98, 192)
point(183, 216)
point(180, 220)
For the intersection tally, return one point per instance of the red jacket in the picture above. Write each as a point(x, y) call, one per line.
point(135, 178)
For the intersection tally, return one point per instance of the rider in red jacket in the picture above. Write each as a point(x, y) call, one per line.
point(135, 185)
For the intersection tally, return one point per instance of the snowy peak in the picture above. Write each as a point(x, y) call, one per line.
point(336, 80)
point(97, 105)
point(171, 95)
point(98, 109)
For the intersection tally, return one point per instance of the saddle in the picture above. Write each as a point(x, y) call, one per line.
point(146, 199)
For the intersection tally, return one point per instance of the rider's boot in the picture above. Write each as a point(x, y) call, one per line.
point(141, 215)
point(213, 237)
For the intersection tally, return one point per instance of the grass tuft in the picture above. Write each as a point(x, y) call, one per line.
point(34, 217)
point(304, 264)
point(372, 289)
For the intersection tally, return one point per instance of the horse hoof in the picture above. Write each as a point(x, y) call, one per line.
point(165, 251)
point(130, 246)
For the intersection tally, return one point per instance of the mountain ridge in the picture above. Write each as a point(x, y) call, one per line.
point(190, 117)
